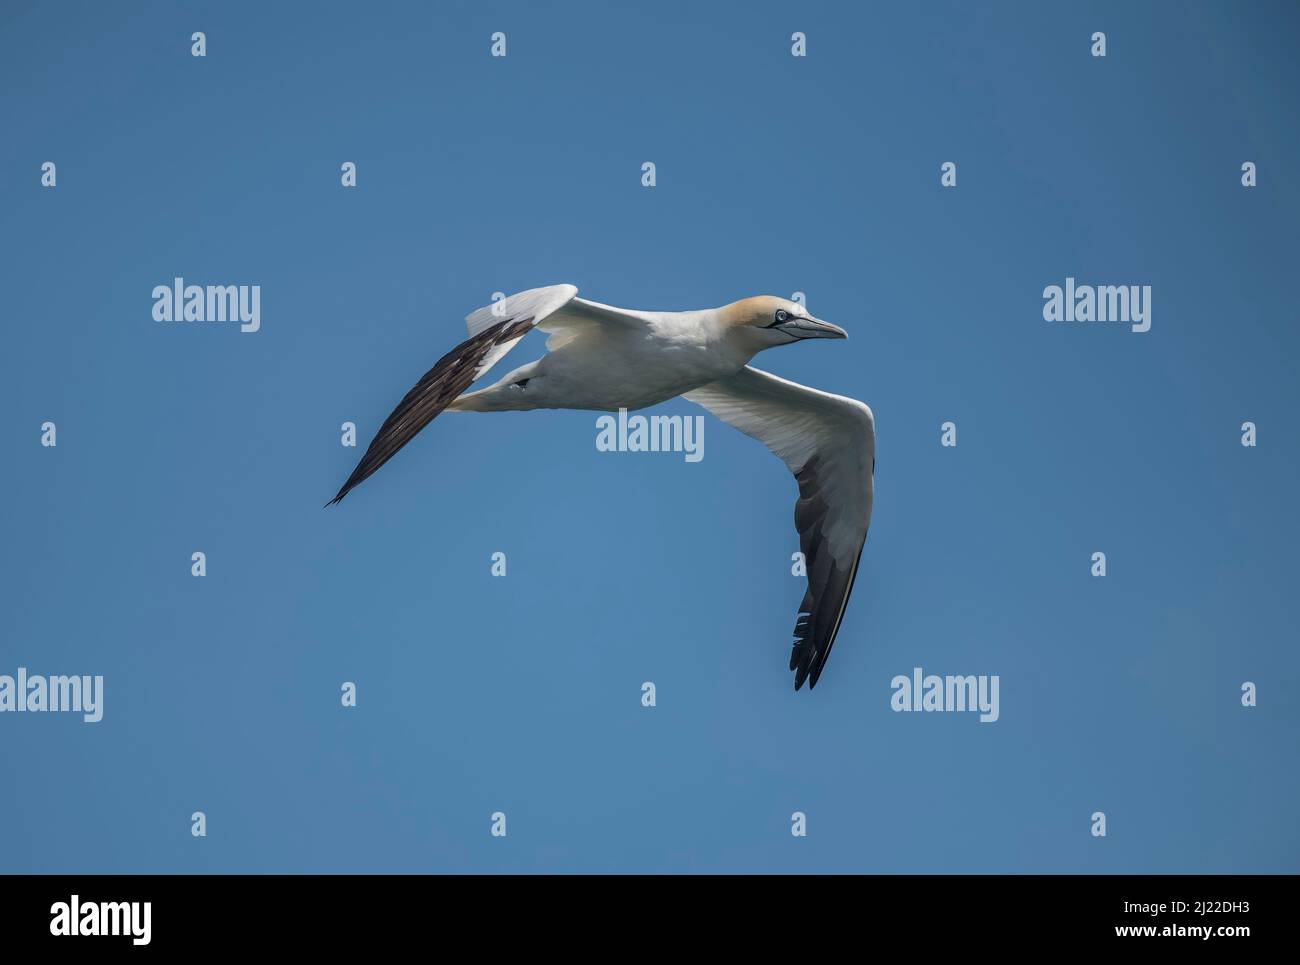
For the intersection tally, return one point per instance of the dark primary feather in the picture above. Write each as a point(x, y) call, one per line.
point(450, 376)
point(829, 585)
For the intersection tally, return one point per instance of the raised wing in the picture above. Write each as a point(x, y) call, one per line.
point(493, 331)
point(538, 303)
point(579, 317)
point(829, 443)
point(557, 311)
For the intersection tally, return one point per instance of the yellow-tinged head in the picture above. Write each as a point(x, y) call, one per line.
point(764, 321)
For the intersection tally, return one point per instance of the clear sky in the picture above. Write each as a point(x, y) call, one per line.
point(522, 694)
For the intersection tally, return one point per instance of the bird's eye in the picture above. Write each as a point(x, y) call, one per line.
point(782, 316)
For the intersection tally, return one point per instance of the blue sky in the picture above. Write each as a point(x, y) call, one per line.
point(522, 694)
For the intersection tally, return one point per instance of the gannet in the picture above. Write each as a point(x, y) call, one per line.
point(604, 358)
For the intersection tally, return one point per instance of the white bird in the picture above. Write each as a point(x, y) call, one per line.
point(605, 358)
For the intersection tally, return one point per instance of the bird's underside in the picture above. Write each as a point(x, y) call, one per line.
point(827, 441)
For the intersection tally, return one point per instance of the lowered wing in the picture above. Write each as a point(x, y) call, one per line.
point(829, 443)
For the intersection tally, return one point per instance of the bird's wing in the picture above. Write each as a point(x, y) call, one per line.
point(557, 311)
point(582, 310)
point(579, 317)
point(537, 302)
point(829, 443)
point(493, 331)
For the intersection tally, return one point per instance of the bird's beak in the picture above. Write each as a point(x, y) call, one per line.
point(811, 328)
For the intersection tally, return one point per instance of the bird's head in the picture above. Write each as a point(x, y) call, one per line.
point(764, 321)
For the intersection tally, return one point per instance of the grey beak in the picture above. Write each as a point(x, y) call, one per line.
point(811, 328)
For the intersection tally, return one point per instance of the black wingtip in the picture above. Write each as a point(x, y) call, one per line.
point(800, 672)
point(347, 487)
point(804, 674)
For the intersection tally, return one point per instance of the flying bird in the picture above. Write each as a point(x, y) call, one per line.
point(605, 358)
